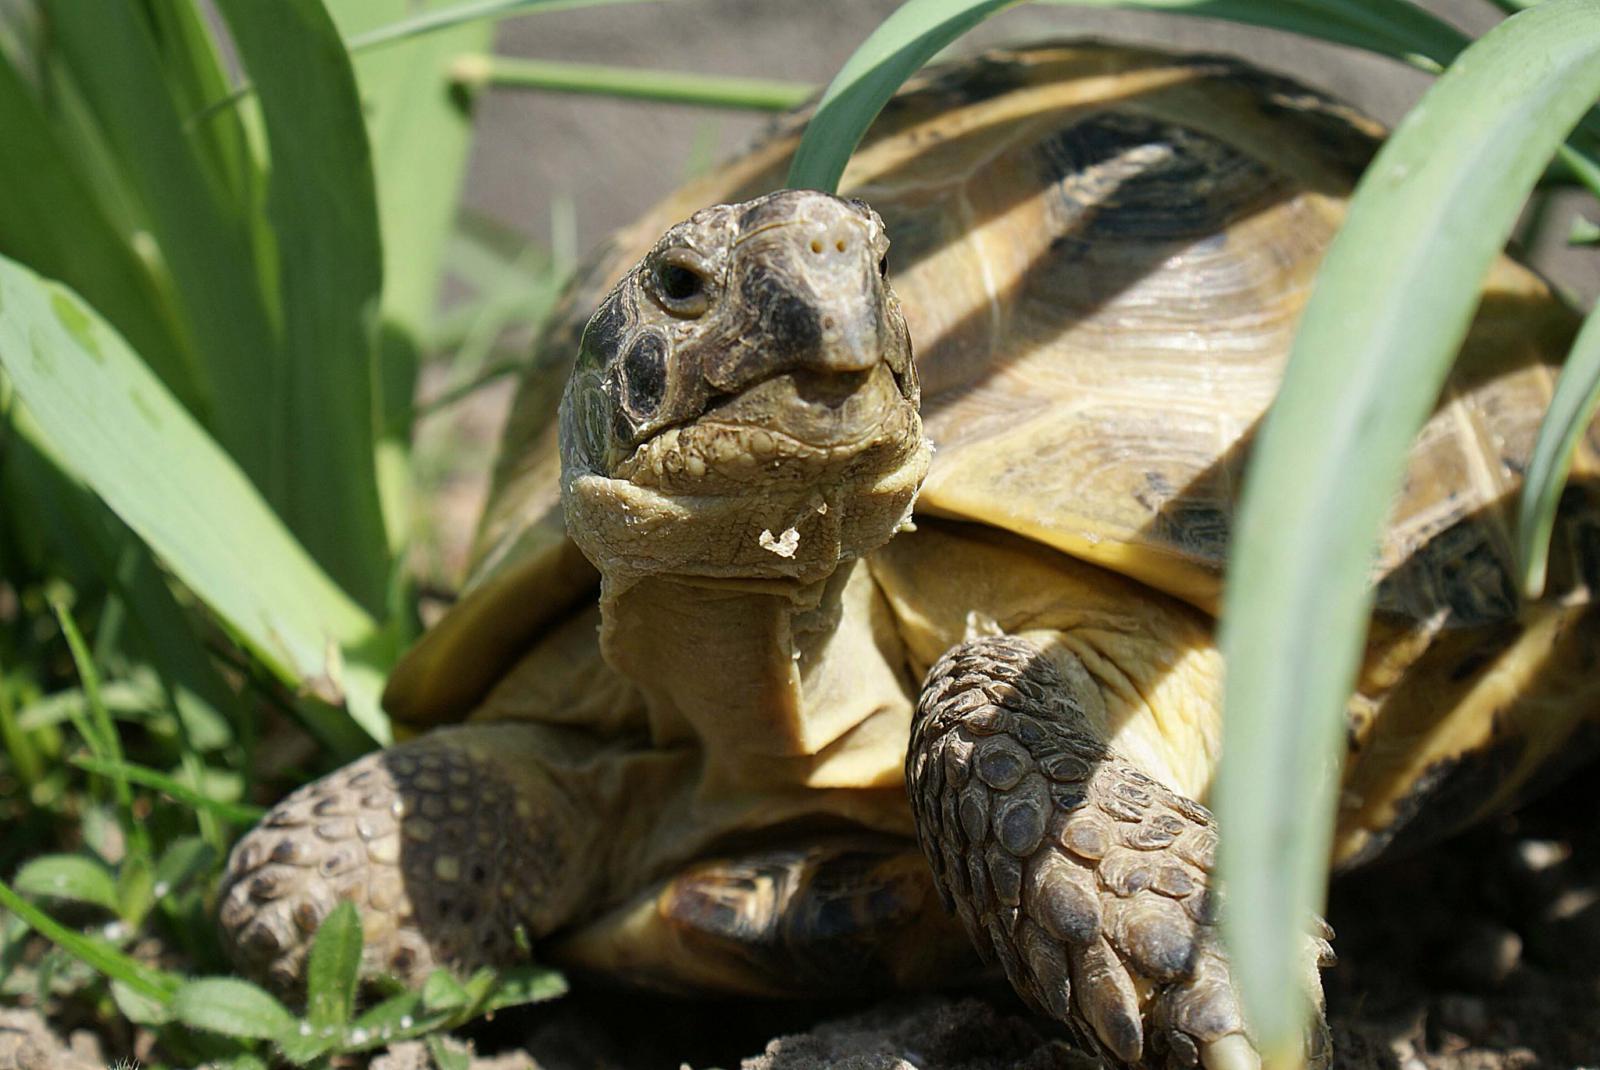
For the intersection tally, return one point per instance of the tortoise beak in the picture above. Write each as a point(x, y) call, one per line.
point(816, 302)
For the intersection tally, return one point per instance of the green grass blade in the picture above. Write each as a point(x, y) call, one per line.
point(919, 29)
point(323, 209)
point(195, 74)
point(1572, 406)
point(440, 20)
point(119, 431)
point(667, 87)
point(237, 813)
point(453, 15)
point(92, 951)
point(333, 965)
point(51, 220)
point(104, 743)
point(1389, 310)
point(420, 130)
point(78, 526)
point(205, 240)
point(896, 50)
point(1396, 28)
point(74, 877)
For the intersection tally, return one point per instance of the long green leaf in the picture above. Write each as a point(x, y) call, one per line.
point(194, 71)
point(452, 15)
point(92, 951)
point(420, 130)
point(119, 431)
point(667, 87)
point(238, 813)
point(324, 215)
point(442, 19)
point(1390, 307)
point(205, 240)
point(1572, 406)
point(51, 220)
point(919, 29)
point(105, 743)
point(77, 526)
point(896, 50)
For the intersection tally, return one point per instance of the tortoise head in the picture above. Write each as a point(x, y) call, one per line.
point(744, 402)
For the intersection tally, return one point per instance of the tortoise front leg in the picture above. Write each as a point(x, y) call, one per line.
point(1088, 880)
point(448, 845)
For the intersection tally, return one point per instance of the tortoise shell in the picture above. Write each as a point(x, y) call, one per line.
point(1102, 254)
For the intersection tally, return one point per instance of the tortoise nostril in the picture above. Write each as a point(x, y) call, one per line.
point(839, 244)
point(816, 245)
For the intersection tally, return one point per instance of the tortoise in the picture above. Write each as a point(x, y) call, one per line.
point(794, 665)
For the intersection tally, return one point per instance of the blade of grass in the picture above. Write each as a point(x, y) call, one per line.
point(1389, 309)
point(919, 29)
point(668, 87)
point(104, 743)
point(205, 241)
point(161, 631)
point(92, 951)
point(429, 22)
point(119, 431)
point(234, 812)
point(27, 764)
point(897, 49)
point(1572, 407)
point(460, 14)
point(51, 220)
point(195, 75)
point(324, 214)
point(420, 130)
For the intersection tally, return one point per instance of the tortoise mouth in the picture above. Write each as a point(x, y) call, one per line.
point(785, 427)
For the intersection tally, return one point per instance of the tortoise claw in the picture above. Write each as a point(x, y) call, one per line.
point(414, 836)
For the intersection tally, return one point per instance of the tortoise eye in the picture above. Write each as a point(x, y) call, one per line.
point(681, 286)
point(883, 266)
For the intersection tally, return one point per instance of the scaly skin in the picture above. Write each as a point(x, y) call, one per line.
point(448, 845)
point(1088, 881)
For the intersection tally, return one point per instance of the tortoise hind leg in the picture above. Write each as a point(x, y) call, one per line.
point(1085, 878)
point(448, 845)
point(846, 913)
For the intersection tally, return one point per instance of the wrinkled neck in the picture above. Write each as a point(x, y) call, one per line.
point(769, 679)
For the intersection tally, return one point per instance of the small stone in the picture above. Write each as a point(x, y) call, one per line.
point(1484, 958)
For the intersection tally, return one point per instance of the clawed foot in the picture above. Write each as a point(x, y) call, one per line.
point(1087, 880)
point(437, 842)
